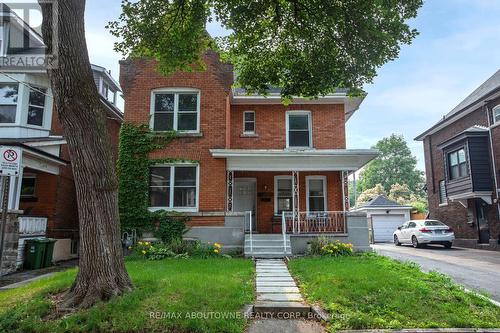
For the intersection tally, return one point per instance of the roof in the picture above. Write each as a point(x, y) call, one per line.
point(484, 91)
point(382, 202)
point(22, 144)
point(107, 75)
point(473, 131)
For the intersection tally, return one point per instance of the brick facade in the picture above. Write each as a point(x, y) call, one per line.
point(221, 127)
point(453, 213)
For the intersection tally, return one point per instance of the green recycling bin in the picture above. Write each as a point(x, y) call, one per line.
point(34, 253)
point(49, 250)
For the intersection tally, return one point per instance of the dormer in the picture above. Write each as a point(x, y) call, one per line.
point(107, 86)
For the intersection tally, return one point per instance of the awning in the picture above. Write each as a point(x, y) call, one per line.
point(295, 160)
point(463, 197)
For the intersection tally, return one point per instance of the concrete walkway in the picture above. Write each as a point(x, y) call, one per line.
point(276, 289)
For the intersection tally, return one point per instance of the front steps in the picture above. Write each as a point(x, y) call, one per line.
point(267, 246)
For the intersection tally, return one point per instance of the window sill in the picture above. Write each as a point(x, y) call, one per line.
point(249, 135)
point(189, 135)
point(177, 209)
point(443, 205)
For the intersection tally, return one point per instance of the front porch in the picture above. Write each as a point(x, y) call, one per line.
point(288, 197)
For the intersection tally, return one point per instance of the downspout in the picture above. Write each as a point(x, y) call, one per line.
point(492, 158)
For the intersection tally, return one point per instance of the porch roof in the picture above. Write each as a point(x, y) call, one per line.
point(295, 160)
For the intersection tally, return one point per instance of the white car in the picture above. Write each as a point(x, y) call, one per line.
point(418, 232)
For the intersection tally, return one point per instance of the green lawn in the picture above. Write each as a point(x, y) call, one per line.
point(369, 291)
point(187, 287)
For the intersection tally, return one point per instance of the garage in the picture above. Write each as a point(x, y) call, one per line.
point(384, 226)
point(385, 215)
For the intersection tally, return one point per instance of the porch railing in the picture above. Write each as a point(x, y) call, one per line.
point(315, 222)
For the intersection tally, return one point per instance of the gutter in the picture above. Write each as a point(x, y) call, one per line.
point(492, 157)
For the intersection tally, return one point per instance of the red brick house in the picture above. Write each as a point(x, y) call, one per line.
point(281, 169)
point(462, 160)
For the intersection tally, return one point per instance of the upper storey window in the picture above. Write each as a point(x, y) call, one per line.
point(177, 110)
point(36, 106)
point(298, 129)
point(496, 114)
point(8, 102)
point(458, 164)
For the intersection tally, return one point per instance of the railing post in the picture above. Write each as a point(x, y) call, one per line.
point(283, 230)
point(251, 227)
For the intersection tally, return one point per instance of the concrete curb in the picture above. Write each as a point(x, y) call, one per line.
point(428, 330)
point(22, 283)
point(492, 301)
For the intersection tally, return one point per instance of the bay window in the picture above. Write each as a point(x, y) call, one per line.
point(316, 193)
point(174, 187)
point(298, 129)
point(8, 102)
point(175, 110)
point(457, 162)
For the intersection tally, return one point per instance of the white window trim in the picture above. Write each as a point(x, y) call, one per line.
point(18, 104)
point(276, 178)
point(325, 190)
point(171, 194)
point(44, 108)
point(176, 92)
point(299, 112)
point(254, 123)
point(496, 109)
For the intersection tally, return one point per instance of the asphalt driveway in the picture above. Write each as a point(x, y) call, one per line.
point(477, 270)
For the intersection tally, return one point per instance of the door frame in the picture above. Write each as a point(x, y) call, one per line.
point(478, 205)
point(254, 181)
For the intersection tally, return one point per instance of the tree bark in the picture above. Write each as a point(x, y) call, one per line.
point(102, 272)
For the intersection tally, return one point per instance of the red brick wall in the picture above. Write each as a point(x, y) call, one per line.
point(328, 126)
point(454, 214)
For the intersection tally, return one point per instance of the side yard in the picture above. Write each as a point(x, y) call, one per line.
point(177, 295)
point(371, 291)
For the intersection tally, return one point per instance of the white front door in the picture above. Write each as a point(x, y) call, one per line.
point(244, 196)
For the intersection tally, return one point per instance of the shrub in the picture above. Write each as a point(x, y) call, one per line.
point(151, 251)
point(170, 227)
point(206, 250)
point(337, 248)
point(317, 244)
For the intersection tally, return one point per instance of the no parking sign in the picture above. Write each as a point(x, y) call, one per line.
point(10, 161)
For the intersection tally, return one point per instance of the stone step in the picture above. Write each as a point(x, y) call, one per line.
point(275, 284)
point(270, 255)
point(276, 274)
point(281, 307)
point(288, 297)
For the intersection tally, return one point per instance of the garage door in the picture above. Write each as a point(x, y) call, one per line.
point(385, 225)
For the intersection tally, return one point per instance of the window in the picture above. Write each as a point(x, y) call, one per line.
point(442, 193)
point(458, 164)
point(174, 187)
point(8, 102)
point(108, 93)
point(496, 114)
point(411, 225)
point(316, 193)
point(283, 194)
point(298, 127)
point(36, 106)
point(249, 122)
point(28, 186)
point(177, 111)
point(434, 223)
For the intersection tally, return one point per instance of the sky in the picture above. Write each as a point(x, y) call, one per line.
point(457, 49)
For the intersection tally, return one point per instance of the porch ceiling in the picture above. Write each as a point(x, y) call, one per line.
point(295, 160)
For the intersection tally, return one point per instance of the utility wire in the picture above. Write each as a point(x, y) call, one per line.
point(26, 84)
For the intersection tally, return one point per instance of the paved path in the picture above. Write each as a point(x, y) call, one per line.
point(277, 292)
point(475, 269)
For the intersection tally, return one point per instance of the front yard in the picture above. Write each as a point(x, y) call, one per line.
point(370, 291)
point(175, 295)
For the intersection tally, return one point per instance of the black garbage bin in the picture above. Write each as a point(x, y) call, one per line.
point(34, 253)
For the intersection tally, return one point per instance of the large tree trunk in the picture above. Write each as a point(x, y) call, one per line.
point(102, 272)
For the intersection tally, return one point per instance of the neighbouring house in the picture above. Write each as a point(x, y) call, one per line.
point(263, 177)
point(42, 199)
point(384, 217)
point(462, 161)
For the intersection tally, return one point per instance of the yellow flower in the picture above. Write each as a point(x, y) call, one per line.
point(216, 251)
point(147, 243)
point(217, 245)
point(130, 247)
point(140, 243)
point(143, 252)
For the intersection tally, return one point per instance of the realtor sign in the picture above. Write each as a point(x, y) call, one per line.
point(10, 161)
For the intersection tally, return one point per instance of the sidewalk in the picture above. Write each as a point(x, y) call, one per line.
point(17, 279)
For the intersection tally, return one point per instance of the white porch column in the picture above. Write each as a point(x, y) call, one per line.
point(296, 196)
point(229, 190)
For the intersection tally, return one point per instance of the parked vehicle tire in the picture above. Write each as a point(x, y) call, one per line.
point(414, 242)
point(396, 241)
point(448, 245)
